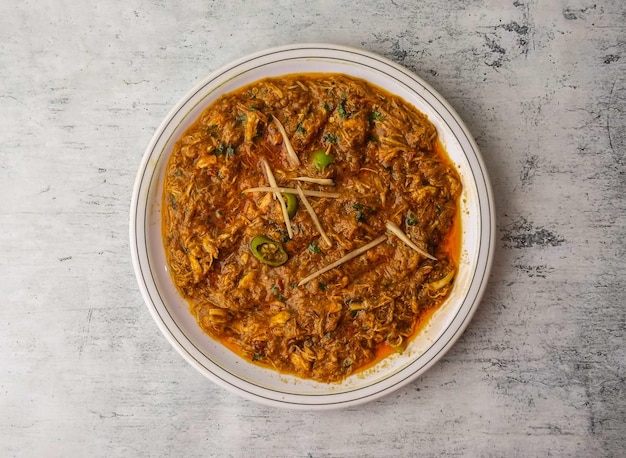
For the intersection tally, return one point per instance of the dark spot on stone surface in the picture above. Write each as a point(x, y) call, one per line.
point(506, 42)
point(569, 15)
point(523, 234)
point(60, 101)
point(517, 4)
point(522, 32)
point(529, 167)
point(515, 27)
point(497, 51)
point(494, 47)
point(540, 271)
point(573, 14)
point(611, 58)
point(398, 52)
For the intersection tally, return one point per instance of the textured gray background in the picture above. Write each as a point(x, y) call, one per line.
point(540, 371)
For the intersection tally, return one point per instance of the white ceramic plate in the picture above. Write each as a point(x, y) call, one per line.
point(219, 364)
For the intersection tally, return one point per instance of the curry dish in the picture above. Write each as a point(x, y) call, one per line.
point(311, 222)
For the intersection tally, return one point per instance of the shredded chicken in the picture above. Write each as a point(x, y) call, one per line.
point(349, 291)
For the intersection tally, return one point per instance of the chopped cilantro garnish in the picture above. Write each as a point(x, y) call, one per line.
point(376, 116)
point(341, 110)
point(212, 130)
point(284, 234)
point(277, 293)
point(330, 138)
point(224, 149)
point(360, 213)
point(314, 248)
point(172, 199)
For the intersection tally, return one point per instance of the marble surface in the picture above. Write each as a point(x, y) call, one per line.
point(540, 371)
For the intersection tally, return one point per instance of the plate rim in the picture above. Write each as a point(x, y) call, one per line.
point(346, 398)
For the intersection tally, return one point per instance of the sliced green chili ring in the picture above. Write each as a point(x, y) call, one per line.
point(292, 204)
point(321, 160)
point(268, 251)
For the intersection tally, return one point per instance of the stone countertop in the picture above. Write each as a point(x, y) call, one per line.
point(540, 371)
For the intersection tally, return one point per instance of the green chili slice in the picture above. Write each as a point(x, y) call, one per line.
point(268, 251)
point(292, 204)
point(321, 160)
